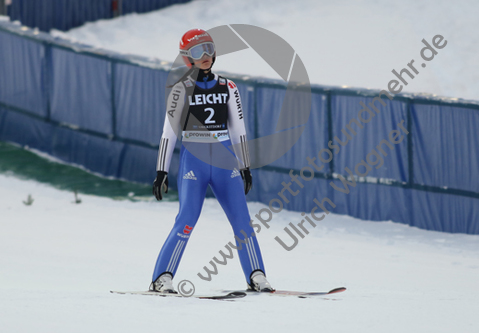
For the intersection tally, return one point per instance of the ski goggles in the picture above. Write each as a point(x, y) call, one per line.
point(197, 51)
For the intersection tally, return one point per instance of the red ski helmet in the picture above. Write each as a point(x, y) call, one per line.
point(194, 44)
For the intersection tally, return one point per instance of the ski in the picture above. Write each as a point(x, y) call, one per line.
point(229, 296)
point(300, 294)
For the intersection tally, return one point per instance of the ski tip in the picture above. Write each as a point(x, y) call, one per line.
point(336, 290)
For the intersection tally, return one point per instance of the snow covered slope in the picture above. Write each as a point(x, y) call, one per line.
point(350, 42)
point(59, 260)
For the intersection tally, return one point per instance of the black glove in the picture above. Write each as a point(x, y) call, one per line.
point(247, 179)
point(160, 183)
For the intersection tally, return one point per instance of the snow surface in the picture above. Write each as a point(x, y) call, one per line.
point(342, 43)
point(59, 260)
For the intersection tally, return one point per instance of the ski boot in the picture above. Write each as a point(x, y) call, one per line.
point(259, 283)
point(164, 284)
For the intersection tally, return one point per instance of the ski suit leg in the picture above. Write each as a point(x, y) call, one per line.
point(228, 188)
point(193, 178)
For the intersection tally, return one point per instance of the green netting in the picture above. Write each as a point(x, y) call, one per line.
point(24, 164)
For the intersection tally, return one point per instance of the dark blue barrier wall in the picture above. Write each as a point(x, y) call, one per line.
point(105, 112)
point(142, 6)
point(67, 14)
point(345, 108)
point(446, 146)
point(73, 98)
point(22, 74)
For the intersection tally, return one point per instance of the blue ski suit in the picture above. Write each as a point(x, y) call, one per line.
point(209, 117)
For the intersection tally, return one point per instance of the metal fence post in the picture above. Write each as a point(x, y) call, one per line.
point(330, 130)
point(113, 98)
point(47, 78)
point(410, 153)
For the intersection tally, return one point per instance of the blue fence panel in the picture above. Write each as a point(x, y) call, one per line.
point(374, 202)
point(268, 108)
point(67, 14)
point(33, 13)
point(81, 91)
point(357, 147)
point(444, 212)
point(138, 164)
point(22, 76)
point(141, 6)
point(25, 130)
point(312, 140)
point(73, 13)
point(446, 146)
point(140, 102)
point(314, 137)
point(94, 153)
point(267, 185)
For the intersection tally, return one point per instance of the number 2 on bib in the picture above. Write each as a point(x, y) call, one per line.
point(212, 113)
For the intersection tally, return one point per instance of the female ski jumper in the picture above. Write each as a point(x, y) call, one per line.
point(206, 111)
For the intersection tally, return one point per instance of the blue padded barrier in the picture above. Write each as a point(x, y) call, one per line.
point(138, 164)
point(141, 6)
point(67, 14)
point(312, 140)
point(358, 146)
point(374, 202)
point(33, 13)
point(25, 130)
point(444, 212)
point(446, 146)
point(267, 184)
point(94, 153)
point(81, 91)
point(105, 112)
point(139, 95)
point(269, 100)
point(21, 81)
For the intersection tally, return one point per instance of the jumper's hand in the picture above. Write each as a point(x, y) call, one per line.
point(160, 183)
point(247, 179)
